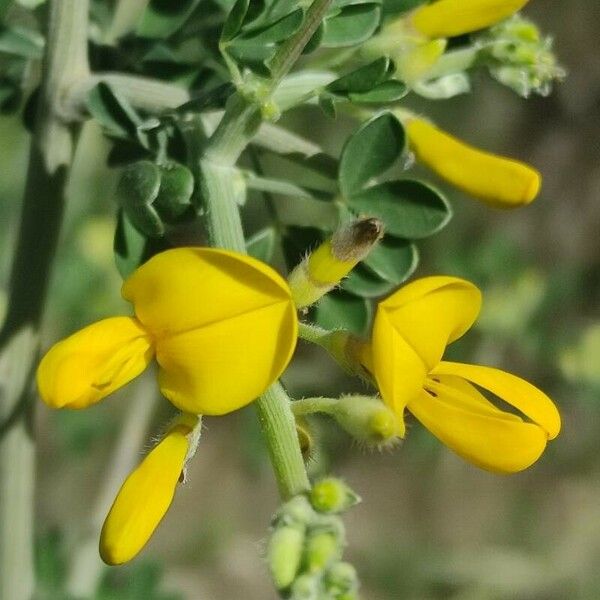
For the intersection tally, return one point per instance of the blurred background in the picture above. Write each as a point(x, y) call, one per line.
point(430, 526)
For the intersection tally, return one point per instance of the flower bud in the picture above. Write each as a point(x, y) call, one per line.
point(146, 495)
point(284, 553)
point(366, 419)
point(326, 266)
point(341, 578)
point(449, 18)
point(306, 587)
point(496, 180)
point(331, 495)
point(324, 544)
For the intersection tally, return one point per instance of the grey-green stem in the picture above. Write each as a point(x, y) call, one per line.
point(236, 129)
point(65, 62)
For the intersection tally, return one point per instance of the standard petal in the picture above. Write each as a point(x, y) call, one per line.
point(185, 288)
point(223, 366)
point(144, 498)
point(496, 180)
point(449, 18)
point(92, 363)
point(430, 313)
point(485, 440)
point(399, 371)
point(524, 396)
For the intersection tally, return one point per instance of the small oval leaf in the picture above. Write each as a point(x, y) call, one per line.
point(339, 310)
point(369, 151)
point(409, 208)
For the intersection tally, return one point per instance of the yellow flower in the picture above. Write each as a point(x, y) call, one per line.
point(411, 331)
point(146, 495)
point(222, 326)
point(449, 18)
point(498, 181)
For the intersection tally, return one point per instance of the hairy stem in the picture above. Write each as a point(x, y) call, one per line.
point(65, 62)
point(236, 129)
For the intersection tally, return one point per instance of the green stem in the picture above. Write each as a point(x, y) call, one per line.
point(237, 127)
point(65, 62)
point(290, 51)
point(318, 404)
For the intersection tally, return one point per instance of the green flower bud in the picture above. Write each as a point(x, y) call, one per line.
point(136, 191)
point(176, 188)
point(341, 578)
point(306, 587)
point(324, 544)
point(331, 495)
point(366, 419)
point(296, 510)
point(285, 553)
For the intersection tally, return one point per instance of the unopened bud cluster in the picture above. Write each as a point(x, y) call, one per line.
point(519, 57)
point(307, 542)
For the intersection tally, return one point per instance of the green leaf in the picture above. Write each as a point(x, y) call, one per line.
point(21, 42)
point(353, 25)
point(175, 193)
point(408, 208)
point(113, 112)
point(362, 79)
point(369, 151)
point(384, 93)
point(393, 259)
point(341, 310)
point(262, 244)
point(137, 189)
point(164, 17)
point(327, 105)
point(364, 283)
point(234, 20)
point(276, 32)
point(131, 247)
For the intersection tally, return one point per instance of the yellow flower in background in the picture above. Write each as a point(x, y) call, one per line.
point(222, 326)
point(146, 494)
point(411, 331)
point(498, 181)
point(449, 18)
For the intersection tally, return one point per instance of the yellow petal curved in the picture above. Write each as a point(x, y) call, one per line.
point(485, 440)
point(468, 398)
point(496, 180)
point(524, 396)
point(430, 313)
point(448, 18)
point(398, 370)
point(93, 362)
point(185, 288)
point(144, 498)
point(224, 365)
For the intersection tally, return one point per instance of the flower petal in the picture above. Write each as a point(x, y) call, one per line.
point(223, 366)
point(449, 18)
point(144, 498)
point(430, 313)
point(93, 362)
point(499, 181)
point(185, 288)
point(524, 396)
point(490, 442)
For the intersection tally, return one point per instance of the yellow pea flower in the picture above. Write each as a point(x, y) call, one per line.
point(146, 495)
point(496, 180)
point(411, 331)
point(449, 18)
point(222, 326)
